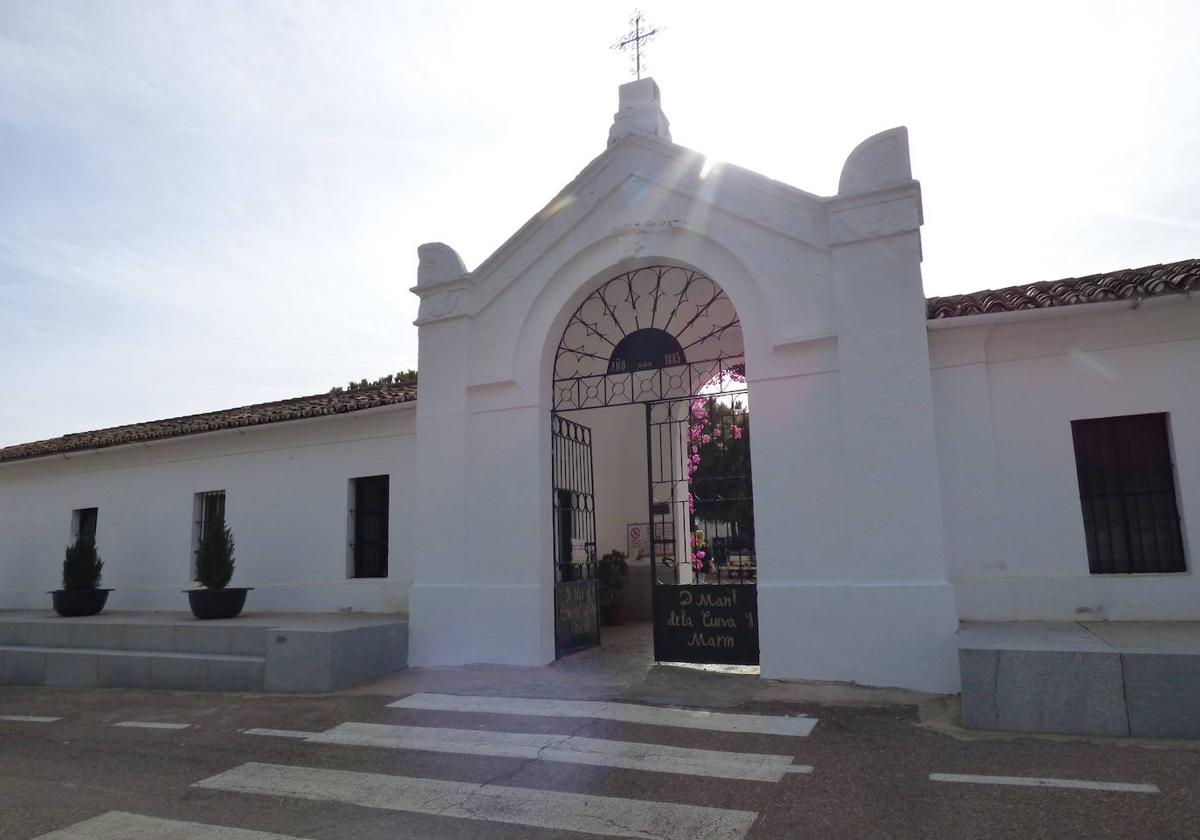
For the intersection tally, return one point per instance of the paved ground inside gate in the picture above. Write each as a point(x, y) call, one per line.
point(623, 668)
point(603, 744)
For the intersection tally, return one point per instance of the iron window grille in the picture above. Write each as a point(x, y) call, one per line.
point(1127, 492)
point(210, 519)
point(369, 542)
point(85, 522)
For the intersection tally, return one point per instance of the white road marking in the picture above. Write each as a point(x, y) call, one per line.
point(625, 712)
point(799, 768)
point(280, 733)
point(149, 724)
point(118, 825)
point(754, 767)
point(1027, 781)
point(28, 719)
point(607, 816)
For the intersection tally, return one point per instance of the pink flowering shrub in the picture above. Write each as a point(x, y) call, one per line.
point(714, 424)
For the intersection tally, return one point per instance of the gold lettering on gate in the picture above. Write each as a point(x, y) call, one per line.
point(713, 641)
point(709, 619)
point(679, 619)
point(708, 600)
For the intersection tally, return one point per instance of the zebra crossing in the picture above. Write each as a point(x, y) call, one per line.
point(623, 712)
point(606, 816)
point(119, 825)
point(568, 749)
point(583, 813)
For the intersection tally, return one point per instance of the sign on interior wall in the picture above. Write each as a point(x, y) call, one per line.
point(637, 541)
point(579, 552)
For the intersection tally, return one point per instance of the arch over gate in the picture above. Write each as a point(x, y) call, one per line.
point(670, 338)
point(655, 333)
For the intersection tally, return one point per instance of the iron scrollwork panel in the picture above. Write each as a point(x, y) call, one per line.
point(655, 333)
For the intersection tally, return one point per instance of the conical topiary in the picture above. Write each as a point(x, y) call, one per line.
point(81, 565)
point(214, 562)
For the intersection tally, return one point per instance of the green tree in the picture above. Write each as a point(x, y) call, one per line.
point(82, 564)
point(404, 377)
point(214, 561)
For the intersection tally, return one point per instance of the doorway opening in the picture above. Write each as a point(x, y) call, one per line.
point(650, 393)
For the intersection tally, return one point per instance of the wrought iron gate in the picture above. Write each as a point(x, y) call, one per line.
point(576, 617)
point(704, 569)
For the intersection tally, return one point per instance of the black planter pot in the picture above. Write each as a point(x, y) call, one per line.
point(217, 603)
point(76, 603)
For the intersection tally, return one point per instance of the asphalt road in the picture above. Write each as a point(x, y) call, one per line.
point(870, 775)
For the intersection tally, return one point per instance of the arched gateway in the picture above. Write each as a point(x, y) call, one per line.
point(668, 339)
point(606, 325)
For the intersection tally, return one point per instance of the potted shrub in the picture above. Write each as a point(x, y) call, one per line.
point(214, 568)
point(612, 571)
point(80, 594)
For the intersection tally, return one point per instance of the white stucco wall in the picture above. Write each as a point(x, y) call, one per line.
point(1007, 388)
point(287, 496)
point(619, 453)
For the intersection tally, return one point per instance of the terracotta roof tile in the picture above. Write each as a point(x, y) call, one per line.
point(1126, 284)
point(297, 408)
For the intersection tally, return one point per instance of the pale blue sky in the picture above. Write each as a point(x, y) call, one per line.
point(210, 204)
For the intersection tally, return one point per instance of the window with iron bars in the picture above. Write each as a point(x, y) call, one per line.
point(1127, 492)
point(369, 526)
point(209, 510)
point(83, 522)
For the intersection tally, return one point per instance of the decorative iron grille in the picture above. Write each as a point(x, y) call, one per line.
point(650, 334)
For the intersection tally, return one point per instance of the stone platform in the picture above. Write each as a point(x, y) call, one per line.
point(275, 652)
point(1093, 678)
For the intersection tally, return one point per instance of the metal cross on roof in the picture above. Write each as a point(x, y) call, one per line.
point(637, 36)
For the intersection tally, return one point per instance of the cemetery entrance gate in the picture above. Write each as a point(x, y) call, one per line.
point(669, 338)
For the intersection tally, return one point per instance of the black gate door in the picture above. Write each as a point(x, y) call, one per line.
point(705, 595)
point(576, 617)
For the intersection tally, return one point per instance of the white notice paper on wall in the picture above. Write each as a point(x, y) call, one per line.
point(637, 540)
point(579, 551)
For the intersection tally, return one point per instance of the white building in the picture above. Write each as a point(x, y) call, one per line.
point(1028, 453)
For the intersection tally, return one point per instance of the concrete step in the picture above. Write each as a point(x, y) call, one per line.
point(92, 667)
point(168, 635)
point(279, 652)
point(1090, 678)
